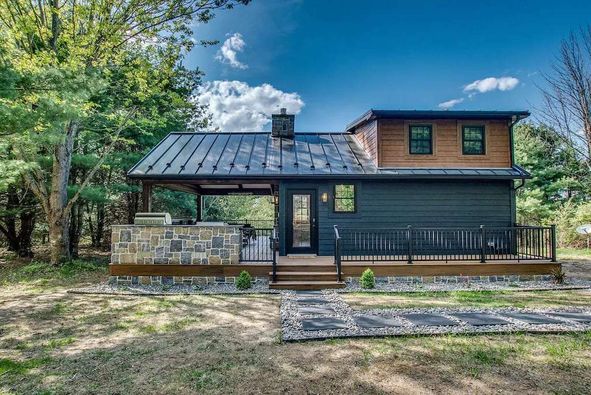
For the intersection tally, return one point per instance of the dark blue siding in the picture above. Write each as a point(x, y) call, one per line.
point(402, 203)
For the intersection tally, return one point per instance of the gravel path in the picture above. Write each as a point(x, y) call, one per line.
point(325, 315)
point(163, 290)
point(263, 288)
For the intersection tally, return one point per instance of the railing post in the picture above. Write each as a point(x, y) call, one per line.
point(274, 252)
point(337, 252)
point(482, 244)
point(409, 240)
point(553, 241)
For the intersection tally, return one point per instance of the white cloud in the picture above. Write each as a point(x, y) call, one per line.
point(446, 105)
point(491, 84)
point(228, 53)
point(236, 106)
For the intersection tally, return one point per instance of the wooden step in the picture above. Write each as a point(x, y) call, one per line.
point(298, 267)
point(306, 285)
point(304, 276)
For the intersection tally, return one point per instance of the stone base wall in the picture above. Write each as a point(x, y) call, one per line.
point(169, 280)
point(456, 279)
point(175, 244)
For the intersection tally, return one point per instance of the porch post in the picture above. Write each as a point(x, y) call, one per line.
point(198, 204)
point(147, 197)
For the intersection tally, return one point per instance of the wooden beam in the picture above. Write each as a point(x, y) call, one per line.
point(451, 269)
point(349, 269)
point(199, 207)
point(189, 270)
point(147, 197)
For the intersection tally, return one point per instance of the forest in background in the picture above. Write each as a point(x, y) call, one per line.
point(87, 88)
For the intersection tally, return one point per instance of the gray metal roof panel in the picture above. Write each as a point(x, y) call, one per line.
point(252, 155)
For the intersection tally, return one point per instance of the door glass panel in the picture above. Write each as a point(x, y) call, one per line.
point(302, 235)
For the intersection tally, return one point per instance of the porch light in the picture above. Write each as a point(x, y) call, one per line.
point(276, 199)
point(324, 197)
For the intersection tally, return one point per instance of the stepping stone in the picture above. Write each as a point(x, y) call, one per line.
point(577, 317)
point(315, 310)
point(311, 301)
point(375, 321)
point(320, 323)
point(428, 319)
point(532, 318)
point(478, 319)
point(308, 293)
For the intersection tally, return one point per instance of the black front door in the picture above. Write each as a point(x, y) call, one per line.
point(302, 235)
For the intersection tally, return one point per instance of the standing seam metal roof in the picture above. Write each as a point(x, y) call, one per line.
point(238, 155)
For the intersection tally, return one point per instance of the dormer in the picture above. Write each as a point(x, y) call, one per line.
point(437, 139)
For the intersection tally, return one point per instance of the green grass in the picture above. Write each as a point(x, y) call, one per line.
point(42, 273)
point(58, 343)
point(521, 299)
point(21, 367)
point(573, 253)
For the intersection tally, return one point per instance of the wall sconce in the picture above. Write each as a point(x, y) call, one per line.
point(324, 197)
point(276, 199)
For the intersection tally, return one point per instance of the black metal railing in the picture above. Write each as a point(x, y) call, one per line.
point(256, 223)
point(446, 244)
point(337, 252)
point(257, 244)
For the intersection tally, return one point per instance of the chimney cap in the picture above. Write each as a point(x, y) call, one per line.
point(283, 110)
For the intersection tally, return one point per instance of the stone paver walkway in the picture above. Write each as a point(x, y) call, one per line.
point(321, 315)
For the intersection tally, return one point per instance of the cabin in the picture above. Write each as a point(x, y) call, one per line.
point(414, 195)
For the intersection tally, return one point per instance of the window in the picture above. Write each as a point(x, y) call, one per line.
point(473, 140)
point(421, 139)
point(344, 198)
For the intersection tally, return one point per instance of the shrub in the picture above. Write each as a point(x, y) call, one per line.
point(244, 280)
point(559, 276)
point(367, 279)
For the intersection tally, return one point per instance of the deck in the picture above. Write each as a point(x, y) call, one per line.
point(350, 269)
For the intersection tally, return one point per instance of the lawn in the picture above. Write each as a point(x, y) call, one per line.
point(55, 342)
point(522, 299)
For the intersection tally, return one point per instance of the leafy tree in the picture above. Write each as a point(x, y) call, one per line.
point(61, 66)
point(558, 174)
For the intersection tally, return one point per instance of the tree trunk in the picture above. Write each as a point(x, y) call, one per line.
point(19, 205)
point(25, 235)
point(58, 215)
point(58, 239)
point(76, 221)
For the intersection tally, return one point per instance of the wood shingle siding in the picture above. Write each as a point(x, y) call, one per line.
point(367, 136)
point(393, 144)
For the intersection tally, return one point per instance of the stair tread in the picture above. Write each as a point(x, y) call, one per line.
point(291, 273)
point(295, 282)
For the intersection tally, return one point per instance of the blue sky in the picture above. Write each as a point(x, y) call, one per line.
point(333, 60)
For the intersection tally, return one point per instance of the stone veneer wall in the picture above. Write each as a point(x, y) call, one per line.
point(457, 279)
point(175, 244)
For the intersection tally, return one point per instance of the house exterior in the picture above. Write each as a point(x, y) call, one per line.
point(394, 187)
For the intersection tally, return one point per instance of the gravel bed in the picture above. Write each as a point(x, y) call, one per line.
point(163, 290)
point(473, 286)
point(292, 326)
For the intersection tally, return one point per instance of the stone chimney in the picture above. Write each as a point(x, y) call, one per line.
point(283, 124)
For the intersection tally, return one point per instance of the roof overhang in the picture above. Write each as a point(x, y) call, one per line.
point(513, 173)
point(512, 116)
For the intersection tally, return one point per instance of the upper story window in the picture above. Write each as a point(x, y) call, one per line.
point(344, 198)
point(473, 140)
point(421, 139)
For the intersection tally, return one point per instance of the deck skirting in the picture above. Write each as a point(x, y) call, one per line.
point(350, 269)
